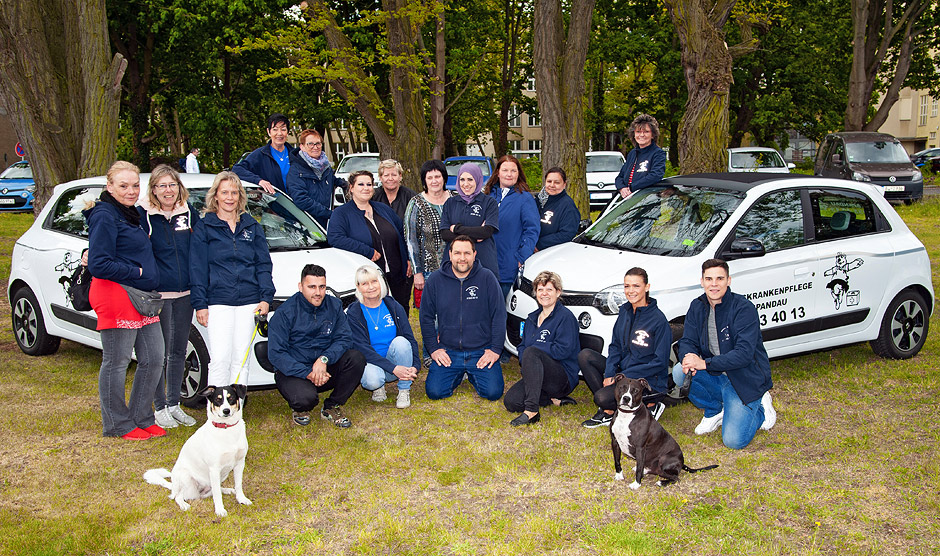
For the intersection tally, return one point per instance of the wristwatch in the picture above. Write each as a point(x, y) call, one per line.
point(325, 359)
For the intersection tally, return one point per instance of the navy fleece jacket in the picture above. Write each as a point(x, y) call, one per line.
point(481, 211)
point(260, 165)
point(171, 240)
point(118, 250)
point(518, 231)
point(560, 219)
point(743, 356)
point(639, 346)
point(312, 194)
point(470, 313)
point(300, 332)
point(647, 164)
point(360, 333)
point(229, 268)
point(349, 230)
point(557, 337)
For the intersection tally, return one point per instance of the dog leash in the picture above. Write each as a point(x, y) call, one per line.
point(259, 318)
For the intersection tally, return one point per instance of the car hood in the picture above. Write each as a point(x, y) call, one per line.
point(883, 169)
point(601, 177)
point(340, 268)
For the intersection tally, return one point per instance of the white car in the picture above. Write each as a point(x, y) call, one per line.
point(355, 162)
point(602, 169)
point(45, 256)
point(757, 159)
point(826, 262)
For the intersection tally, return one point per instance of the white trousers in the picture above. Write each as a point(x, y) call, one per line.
point(230, 328)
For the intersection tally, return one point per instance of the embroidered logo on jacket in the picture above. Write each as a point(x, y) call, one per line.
point(640, 340)
point(180, 222)
point(476, 210)
point(389, 321)
point(544, 334)
point(547, 217)
point(246, 235)
point(643, 166)
point(472, 292)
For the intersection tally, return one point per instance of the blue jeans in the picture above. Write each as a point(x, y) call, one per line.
point(399, 353)
point(714, 394)
point(175, 320)
point(442, 381)
point(117, 344)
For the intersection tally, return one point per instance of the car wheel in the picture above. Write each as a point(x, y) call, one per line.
point(29, 327)
point(904, 327)
point(196, 369)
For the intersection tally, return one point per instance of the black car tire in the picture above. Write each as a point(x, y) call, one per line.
point(29, 329)
point(196, 370)
point(904, 327)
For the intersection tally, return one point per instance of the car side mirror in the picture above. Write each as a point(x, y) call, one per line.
point(837, 159)
point(584, 224)
point(790, 165)
point(743, 248)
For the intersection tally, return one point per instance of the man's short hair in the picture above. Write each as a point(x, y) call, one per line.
point(714, 263)
point(462, 237)
point(275, 119)
point(312, 270)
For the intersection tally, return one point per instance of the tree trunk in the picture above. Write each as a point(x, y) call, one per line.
point(706, 61)
point(61, 87)
point(438, 80)
point(511, 18)
point(558, 57)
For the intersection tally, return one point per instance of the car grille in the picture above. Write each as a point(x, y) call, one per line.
point(568, 299)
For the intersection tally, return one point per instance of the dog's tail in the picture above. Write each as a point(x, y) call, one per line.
point(159, 477)
point(694, 470)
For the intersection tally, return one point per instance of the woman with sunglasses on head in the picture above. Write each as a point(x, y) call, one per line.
point(373, 230)
point(168, 219)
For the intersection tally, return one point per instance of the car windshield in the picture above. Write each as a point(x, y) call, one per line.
point(453, 166)
point(18, 171)
point(877, 151)
point(286, 227)
point(755, 160)
point(352, 164)
point(604, 163)
point(674, 221)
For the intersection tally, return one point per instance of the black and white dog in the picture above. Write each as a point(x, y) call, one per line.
point(216, 449)
point(635, 432)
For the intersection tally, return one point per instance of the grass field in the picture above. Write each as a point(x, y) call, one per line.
point(851, 467)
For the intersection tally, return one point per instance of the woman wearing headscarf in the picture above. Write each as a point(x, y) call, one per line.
point(518, 228)
point(120, 254)
point(473, 214)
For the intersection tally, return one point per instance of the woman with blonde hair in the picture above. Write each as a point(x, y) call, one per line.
point(230, 272)
point(168, 219)
point(120, 254)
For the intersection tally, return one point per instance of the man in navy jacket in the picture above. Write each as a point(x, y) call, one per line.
point(267, 165)
point(309, 343)
point(463, 323)
point(722, 337)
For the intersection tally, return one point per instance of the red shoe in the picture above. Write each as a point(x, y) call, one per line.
point(155, 431)
point(137, 434)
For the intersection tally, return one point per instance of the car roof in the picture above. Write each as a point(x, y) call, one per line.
point(751, 149)
point(730, 181)
point(468, 157)
point(603, 153)
point(862, 136)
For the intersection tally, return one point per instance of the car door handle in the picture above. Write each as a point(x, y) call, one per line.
point(802, 271)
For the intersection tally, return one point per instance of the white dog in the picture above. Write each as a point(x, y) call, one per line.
point(215, 449)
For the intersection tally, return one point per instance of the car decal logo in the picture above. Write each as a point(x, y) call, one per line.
point(839, 282)
point(67, 267)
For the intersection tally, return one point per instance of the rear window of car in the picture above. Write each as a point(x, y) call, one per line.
point(756, 160)
point(67, 215)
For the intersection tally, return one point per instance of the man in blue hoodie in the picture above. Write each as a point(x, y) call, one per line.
point(309, 343)
point(722, 337)
point(463, 323)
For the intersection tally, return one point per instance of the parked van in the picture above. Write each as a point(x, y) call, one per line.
point(872, 157)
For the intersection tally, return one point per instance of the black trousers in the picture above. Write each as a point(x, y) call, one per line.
point(401, 290)
point(543, 378)
point(592, 366)
point(303, 395)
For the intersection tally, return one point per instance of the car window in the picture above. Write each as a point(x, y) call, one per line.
point(675, 221)
point(877, 151)
point(67, 216)
point(839, 214)
point(352, 164)
point(286, 227)
point(776, 220)
point(754, 160)
point(453, 166)
point(17, 171)
point(604, 163)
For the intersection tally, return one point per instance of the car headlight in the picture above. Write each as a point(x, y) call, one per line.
point(917, 176)
point(609, 300)
point(858, 176)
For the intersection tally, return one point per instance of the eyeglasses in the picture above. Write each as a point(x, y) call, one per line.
point(170, 185)
point(311, 145)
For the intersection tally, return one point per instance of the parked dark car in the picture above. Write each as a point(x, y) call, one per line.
point(877, 158)
point(929, 158)
point(17, 187)
point(454, 163)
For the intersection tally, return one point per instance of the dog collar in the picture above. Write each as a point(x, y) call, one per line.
point(222, 425)
point(627, 410)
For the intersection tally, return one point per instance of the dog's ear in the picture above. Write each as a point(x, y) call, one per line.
point(240, 390)
point(209, 390)
point(645, 384)
point(618, 377)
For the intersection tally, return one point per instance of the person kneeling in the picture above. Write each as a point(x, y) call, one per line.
point(548, 354)
point(309, 344)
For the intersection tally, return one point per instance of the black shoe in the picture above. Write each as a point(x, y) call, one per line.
point(524, 419)
point(567, 400)
point(600, 419)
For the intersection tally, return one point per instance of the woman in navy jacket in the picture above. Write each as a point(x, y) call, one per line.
point(560, 216)
point(230, 269)
point(519, 227)
point(168, 219)
point(472, 214)
point(639, 348)
point(310, 180)
point(120, 254)
point(548, 354)
point(373, 230)
point(646, 163)
point(381, 331)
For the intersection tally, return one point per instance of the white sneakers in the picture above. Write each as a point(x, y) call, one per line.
point(164, 419)
point(378, 395)
point(404, 399)
point(770, 414)
point(709, 424)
